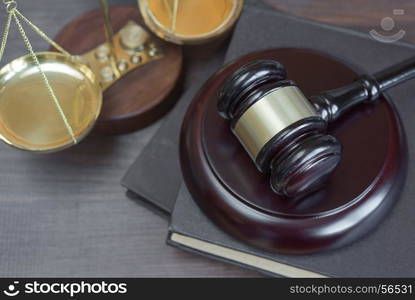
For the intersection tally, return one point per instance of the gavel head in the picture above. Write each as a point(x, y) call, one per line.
point(279, 128)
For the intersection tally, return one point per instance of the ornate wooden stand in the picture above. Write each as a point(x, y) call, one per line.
point(143, 95)
point(225, 183)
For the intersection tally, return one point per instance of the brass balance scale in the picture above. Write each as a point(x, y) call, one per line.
point(50, 100)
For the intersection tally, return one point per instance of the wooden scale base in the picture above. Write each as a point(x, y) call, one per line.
point(141, 96)
point(227, 186)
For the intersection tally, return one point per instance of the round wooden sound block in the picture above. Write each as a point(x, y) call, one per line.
point(141, 96)
point(226, 184)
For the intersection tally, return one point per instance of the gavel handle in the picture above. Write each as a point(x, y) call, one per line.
point(367, 89)
point(396, 75)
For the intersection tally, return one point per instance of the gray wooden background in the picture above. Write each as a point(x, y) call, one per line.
point(66, 214)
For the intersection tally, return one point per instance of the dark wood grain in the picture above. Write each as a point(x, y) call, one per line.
point(66, 214)
point(56, 223)
point(361, 15)
point(143, 95)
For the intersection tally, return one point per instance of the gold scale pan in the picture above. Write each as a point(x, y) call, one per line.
point(49, 100)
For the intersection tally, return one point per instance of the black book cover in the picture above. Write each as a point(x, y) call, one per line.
point(386, 252)
point(155, 175)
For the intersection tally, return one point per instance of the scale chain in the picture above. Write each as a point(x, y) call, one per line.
point(5, 35)
point(42, 34)
point(13, 13)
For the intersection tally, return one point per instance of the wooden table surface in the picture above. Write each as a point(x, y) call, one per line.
point(77, 192)
point(356, 14)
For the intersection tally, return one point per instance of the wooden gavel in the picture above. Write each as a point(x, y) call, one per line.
point(285, 133)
